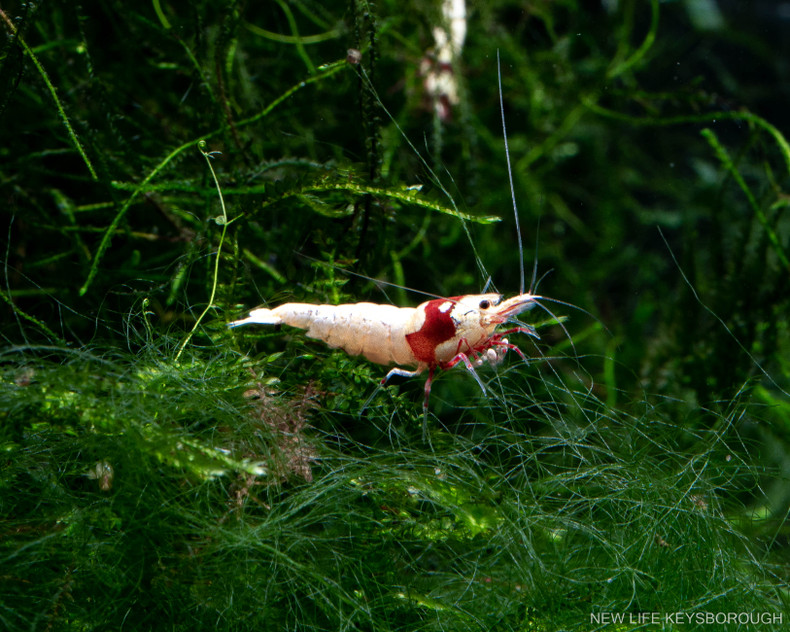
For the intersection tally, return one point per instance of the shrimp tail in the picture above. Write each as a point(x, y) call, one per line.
point(261, 316)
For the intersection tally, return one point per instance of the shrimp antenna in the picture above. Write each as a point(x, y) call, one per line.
point(424, 162)
point(510, 173)
point(717, 317)
point(534, 282)
point(377, 282)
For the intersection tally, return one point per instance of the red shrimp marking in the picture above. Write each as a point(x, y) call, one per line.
point(438, 327)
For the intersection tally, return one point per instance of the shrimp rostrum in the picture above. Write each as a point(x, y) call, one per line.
point(437, 334)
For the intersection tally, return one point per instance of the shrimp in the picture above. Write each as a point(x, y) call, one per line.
point(438, 334)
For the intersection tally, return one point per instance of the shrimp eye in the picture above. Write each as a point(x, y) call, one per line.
point(485, 304)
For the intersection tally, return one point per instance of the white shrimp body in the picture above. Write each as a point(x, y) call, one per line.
point(437, 333)
point(375, 331)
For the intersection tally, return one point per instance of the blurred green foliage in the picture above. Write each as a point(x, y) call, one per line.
point(255, 479)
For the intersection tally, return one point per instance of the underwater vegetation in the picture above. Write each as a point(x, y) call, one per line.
point(166, 167)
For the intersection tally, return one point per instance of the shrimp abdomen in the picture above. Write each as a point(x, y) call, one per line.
point(377, 332)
